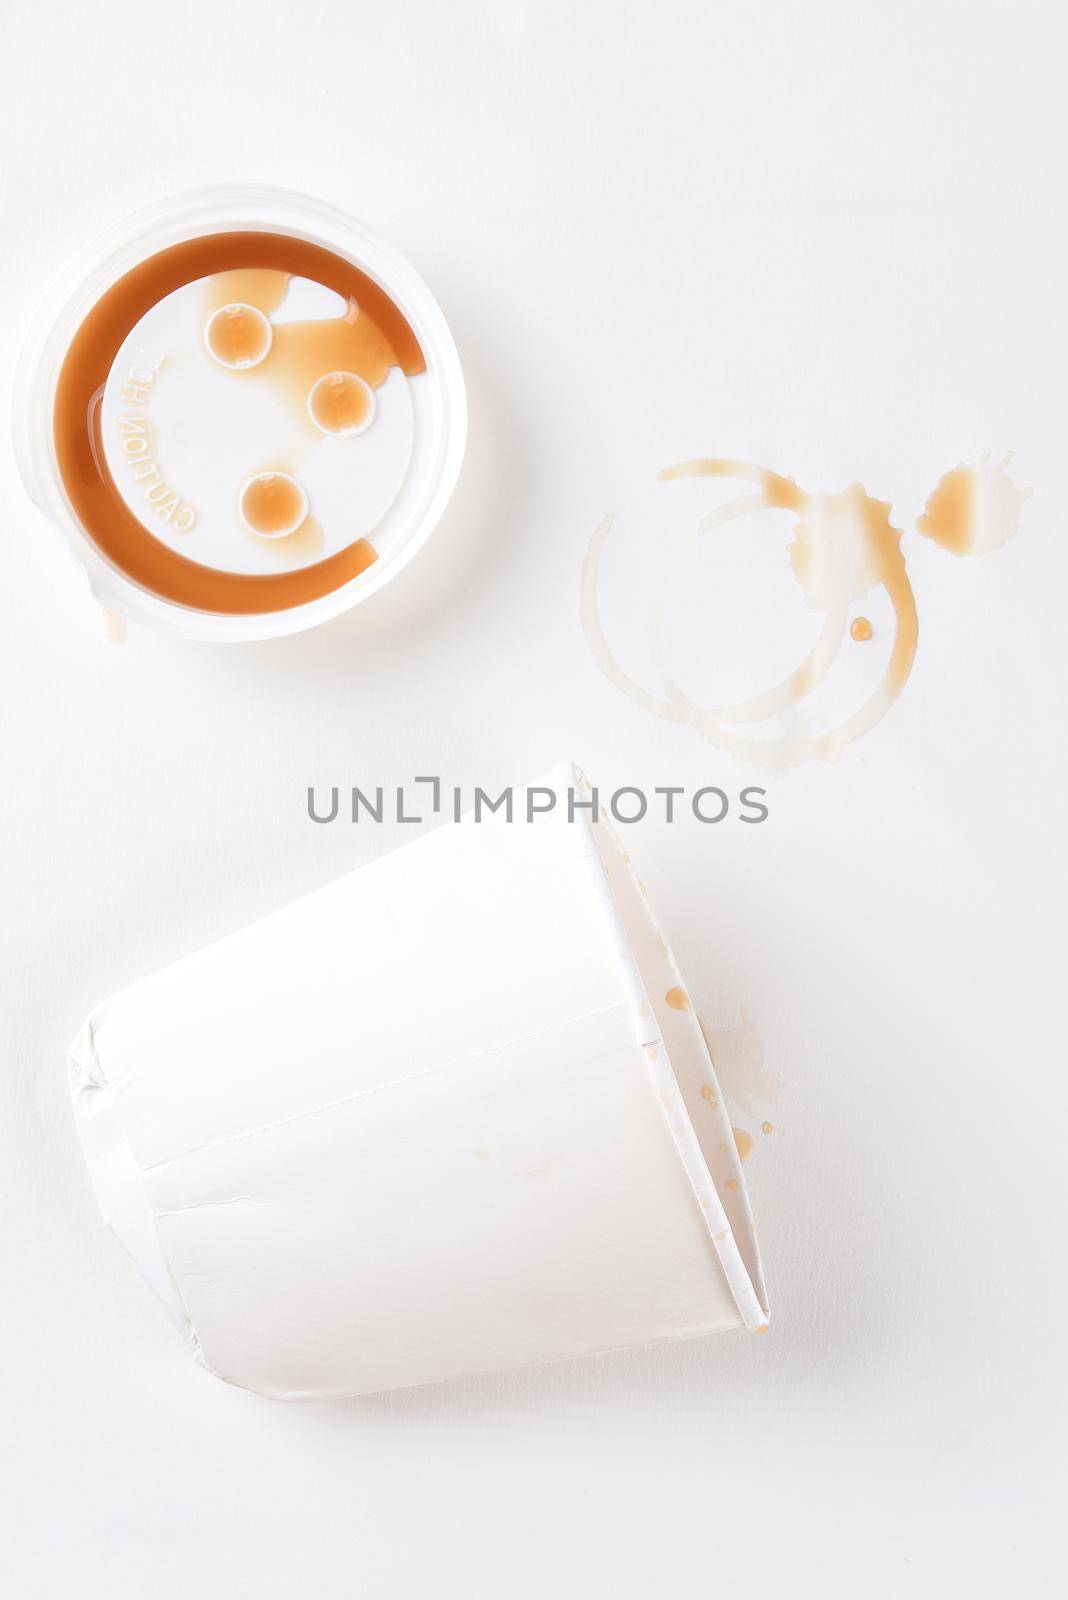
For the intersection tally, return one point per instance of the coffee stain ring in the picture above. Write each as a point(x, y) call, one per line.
point(883, 566)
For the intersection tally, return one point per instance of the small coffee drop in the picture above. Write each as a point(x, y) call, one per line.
point(744, 1142)
point(860, 630)
point(341, 403)
point(273, 505)
point(238, 336)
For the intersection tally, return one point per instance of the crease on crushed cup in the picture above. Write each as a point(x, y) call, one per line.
point(451, 1114)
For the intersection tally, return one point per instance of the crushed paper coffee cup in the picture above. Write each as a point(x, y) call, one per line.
point(243, 412)
point(449, 1115)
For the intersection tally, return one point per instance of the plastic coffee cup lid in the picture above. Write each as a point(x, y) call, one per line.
point(244, 413)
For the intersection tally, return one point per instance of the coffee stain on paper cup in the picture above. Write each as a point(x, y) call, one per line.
point(843, 549)
point(744, 1142)
point(738, 1055)
point(749, 1086)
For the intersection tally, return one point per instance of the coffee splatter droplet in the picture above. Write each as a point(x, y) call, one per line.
point(973, 509)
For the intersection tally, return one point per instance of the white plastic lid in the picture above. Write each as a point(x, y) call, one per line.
point(258, 422)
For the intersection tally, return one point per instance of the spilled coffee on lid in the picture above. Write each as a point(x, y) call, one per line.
point(234, 419)
point(273, 505)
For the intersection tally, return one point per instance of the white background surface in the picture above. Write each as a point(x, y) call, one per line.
point(830, 238)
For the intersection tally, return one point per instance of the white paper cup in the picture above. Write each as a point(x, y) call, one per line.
point(437, 399)
point(449, 1115)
